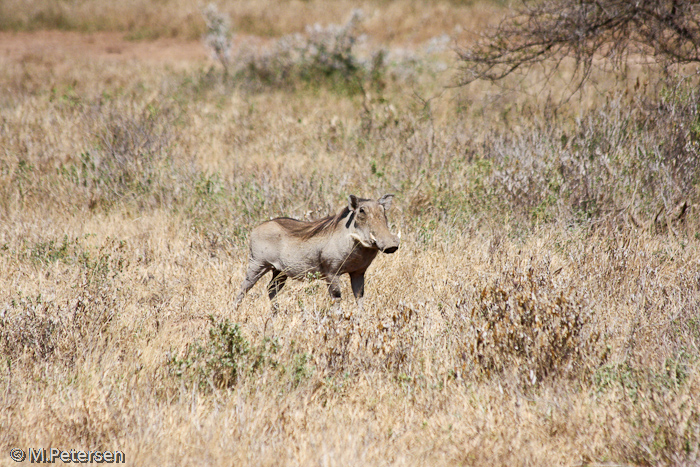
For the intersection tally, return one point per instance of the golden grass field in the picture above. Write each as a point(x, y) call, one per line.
point(543, 309)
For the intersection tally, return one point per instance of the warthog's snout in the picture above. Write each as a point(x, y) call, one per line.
point(387, 244)
point(392, 246)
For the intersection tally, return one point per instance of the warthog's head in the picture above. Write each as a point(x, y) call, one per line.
point(368, 224)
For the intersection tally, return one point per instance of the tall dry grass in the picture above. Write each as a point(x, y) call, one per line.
point(542, 308)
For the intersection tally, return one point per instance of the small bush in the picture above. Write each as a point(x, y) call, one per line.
point(528, 325)
point(51, 251)
point(35, 330)
point(27, 328)
point(223, 359)
point(323, 55)
point(127, 156)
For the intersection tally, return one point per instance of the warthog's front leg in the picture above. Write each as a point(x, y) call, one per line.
point(357, 281)
point(334, 291)
point(333, 287)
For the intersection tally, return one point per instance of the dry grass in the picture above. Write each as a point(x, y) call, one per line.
point(542, 309)
point(147, 19)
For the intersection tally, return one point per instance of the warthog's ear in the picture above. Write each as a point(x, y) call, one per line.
point(385, 201)
point(353, 202)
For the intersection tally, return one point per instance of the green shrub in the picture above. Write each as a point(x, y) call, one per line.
point(223, 359)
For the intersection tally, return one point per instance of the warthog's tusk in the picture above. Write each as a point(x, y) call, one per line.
point(399, 235)
point(361, 241)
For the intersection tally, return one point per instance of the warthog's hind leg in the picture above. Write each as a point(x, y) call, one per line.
point(276, 284)
point(253, 274)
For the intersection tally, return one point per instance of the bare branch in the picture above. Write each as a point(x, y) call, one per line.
point(549, 30)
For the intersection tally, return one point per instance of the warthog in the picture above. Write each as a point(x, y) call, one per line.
point(344, 243)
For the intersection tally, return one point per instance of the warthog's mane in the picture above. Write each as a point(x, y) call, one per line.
point(307, 230)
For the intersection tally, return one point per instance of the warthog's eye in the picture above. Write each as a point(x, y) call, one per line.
point(362, 211)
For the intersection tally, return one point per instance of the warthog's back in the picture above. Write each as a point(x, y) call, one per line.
point(274, 244)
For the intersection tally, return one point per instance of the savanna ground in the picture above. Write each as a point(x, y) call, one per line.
point(543, 309)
